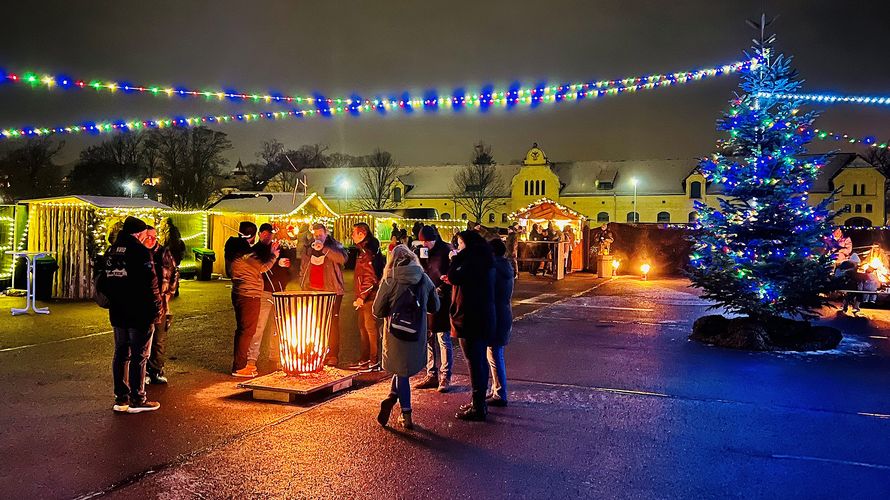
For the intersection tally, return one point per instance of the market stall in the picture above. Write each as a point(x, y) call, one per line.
point(291, 215)
point(75, 229)
point(382, 223)
point(543, 212)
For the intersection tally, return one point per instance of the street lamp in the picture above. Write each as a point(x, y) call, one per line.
point(130, 186)
point(634, 181)
point(644, 271)
point(344, 185)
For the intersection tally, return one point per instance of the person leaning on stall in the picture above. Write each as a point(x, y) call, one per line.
point(168, 282)
point(322, 269)
point(129, 282)
point(405, 297)
point(247, 270)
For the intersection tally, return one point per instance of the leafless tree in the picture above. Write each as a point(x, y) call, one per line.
point(189, 162)
point(28, 170)
point(377, 178)
point(308, 156)
point(479, 187)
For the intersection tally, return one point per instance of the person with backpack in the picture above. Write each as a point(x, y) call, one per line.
point(130, 285)
point(472, 277)
point(368, 270)
point(435, 257)
point(503, 293)
point(405, 297)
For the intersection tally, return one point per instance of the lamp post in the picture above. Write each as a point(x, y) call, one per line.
point(130, 186)
point(634, 181)
point(344, 184)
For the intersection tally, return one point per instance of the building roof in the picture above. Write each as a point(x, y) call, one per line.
point(105, 201)
point(654, 177)
point(254, 202)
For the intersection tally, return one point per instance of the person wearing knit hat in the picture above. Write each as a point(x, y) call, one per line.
point(128, 278)
point(435, 258)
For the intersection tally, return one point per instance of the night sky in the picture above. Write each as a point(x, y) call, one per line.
point(369, 48)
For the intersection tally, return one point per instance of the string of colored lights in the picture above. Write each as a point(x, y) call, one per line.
point(545, 93)
point(325, 109)
point(870, 140)
point(830, 98)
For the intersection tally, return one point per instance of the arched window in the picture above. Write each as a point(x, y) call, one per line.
point(397, 194)
point(858, 222)
point(526, 188)
point(855, 189)
point(543, 188)
point(663, 217)
point(602, 217)
point(537, 188)
point(445, 215)
point(862, 189)
point(504, 217)
point(695, 190)
point(633, 217)
point(693, 216)
point(491, 217)
point(463, 216)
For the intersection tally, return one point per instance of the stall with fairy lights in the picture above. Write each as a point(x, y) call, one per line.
point(543, 212)
point(7, 243)
point(76, 229)
point(381, 224)
point(290, 214)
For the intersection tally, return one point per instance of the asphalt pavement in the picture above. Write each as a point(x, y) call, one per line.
point(608, 399)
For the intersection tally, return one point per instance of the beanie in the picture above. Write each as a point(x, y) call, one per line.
point(426, 233)
point(247, 229)
point(132, 225)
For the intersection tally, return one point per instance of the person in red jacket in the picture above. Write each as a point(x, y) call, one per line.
point(322, 269)
point(368, 268)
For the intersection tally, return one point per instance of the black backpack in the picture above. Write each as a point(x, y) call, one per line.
point(407, 316)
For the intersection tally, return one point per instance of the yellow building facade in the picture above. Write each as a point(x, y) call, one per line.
point(648, 191)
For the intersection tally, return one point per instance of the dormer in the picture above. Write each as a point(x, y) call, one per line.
point(694, 185)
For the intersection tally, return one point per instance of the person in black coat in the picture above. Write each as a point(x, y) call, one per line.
point(435, 258)
point(129, 281)
point(503, 293)
point(472, 311)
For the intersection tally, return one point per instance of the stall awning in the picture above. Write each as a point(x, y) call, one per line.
point(547, 209)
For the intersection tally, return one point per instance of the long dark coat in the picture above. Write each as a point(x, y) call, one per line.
point(503, 293)
point(472, 297)
point(436, 266)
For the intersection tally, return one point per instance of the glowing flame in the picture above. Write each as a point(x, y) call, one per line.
point(304, 321)
point(615, 264)
point(645, 269)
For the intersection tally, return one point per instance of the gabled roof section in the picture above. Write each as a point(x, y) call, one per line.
point(103, 201)
point(260, 203)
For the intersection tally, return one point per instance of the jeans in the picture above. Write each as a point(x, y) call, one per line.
point(498, 372)
point(334, 333)
point(401, 388)
point(474, 351)
point(439, 355)
point(247, 311)
point(369, 333)
point(267, 312)
point(158, 357)
point(131, 349)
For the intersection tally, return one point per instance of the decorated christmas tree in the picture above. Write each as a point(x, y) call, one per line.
point(761, 253)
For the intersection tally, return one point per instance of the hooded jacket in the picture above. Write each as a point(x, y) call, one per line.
point(400, 357)
point(333, 257)
point(130, 283)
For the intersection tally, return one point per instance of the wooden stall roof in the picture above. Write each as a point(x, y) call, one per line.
point(261, 203)
point(547, 209)
point(101, 201)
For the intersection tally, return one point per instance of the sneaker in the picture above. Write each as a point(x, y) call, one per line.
point(428, 383)
point(361, 365)
point(155, 379)
point(405, 420)
point(444, 385)
point(372, 368)
point(144, 407)
point(121, 407)
point(246, 372)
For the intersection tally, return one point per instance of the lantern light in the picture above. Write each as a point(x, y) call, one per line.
point(644, 269)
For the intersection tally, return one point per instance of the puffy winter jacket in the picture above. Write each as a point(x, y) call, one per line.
point(131, 284)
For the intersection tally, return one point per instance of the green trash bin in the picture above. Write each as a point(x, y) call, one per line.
point(204, 259)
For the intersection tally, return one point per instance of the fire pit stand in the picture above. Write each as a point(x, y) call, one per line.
point(279, 386)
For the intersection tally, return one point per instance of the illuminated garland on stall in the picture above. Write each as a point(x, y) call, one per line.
point(543, 201)
point(551, 93)
point(830, 98)
point(10, 245)
point(340, 107)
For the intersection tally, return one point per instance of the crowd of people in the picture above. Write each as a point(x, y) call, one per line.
point(410, 305)
point(545, 253)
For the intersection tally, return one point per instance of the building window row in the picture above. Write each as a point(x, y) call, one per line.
point(858, 189)
point(536, 188)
